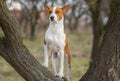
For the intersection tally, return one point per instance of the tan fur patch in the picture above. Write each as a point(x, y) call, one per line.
point(59, 13)
point(67, 51)
point(44, 42)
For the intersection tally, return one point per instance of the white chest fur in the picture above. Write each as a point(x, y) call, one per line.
point(55, 37)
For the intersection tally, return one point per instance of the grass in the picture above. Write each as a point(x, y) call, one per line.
point(79, 67)
point(80, 47)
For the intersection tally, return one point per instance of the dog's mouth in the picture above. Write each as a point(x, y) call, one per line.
point(53, 21)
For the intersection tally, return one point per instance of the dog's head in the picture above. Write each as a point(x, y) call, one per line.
point(55, 14)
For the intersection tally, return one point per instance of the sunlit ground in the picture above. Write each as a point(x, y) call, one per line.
point(80, 47)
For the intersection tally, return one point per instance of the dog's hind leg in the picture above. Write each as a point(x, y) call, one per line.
point(67, 68)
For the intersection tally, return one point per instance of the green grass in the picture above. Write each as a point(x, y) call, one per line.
point(80, 47)
point(79, 67)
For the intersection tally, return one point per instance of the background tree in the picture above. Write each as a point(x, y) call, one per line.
point(16, 54)
point(99, 12)
point(31, 10)
point(30, 15)
point(98, 28)
point(106, 64)
point(78, 8)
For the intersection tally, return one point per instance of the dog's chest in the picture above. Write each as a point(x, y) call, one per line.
point(55, 41)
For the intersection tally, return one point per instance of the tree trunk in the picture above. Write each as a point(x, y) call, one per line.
point(16, 54)
point(98, 27)
point(32, 32)
point(106, 65)
point(33, 21)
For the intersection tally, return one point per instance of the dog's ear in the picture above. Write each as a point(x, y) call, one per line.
point(47, 7)
point(65, 8)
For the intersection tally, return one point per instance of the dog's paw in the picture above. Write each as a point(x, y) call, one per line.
point(62, 78)
point(45, 65)
point(60, 75)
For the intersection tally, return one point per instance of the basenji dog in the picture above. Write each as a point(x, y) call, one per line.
point(56, 40)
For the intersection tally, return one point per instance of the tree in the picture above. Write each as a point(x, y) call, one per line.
point(98, 9)
point(31, 15)
point(78, 8)
point(106, 65)
point(98, 26)
point(16, 54)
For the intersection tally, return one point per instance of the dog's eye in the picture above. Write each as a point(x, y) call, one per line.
point(57, 12)
point(50, 11)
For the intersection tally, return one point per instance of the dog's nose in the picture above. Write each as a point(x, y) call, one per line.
point(52, 18)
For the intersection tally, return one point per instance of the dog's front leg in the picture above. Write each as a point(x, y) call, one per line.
point(54, 61)
point(60, 73)
point(45, 56)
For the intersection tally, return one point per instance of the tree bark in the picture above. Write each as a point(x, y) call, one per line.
point(106, 65)
point(16, 54)
point(98, 27)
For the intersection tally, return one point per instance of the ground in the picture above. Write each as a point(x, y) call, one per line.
point(80, 47)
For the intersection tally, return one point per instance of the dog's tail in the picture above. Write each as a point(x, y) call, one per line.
point(67, 53)
point(67, 61)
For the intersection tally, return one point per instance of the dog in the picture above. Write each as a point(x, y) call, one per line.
point(56, 40)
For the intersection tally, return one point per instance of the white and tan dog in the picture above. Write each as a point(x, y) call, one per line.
point(56, 40)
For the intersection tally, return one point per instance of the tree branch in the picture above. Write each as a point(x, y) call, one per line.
point(16, 54)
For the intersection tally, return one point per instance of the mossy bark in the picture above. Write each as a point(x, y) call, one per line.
point(106, 65)
point(16, 54)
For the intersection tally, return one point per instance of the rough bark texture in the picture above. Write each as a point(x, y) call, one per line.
point(106, 65)
point(16, 54)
